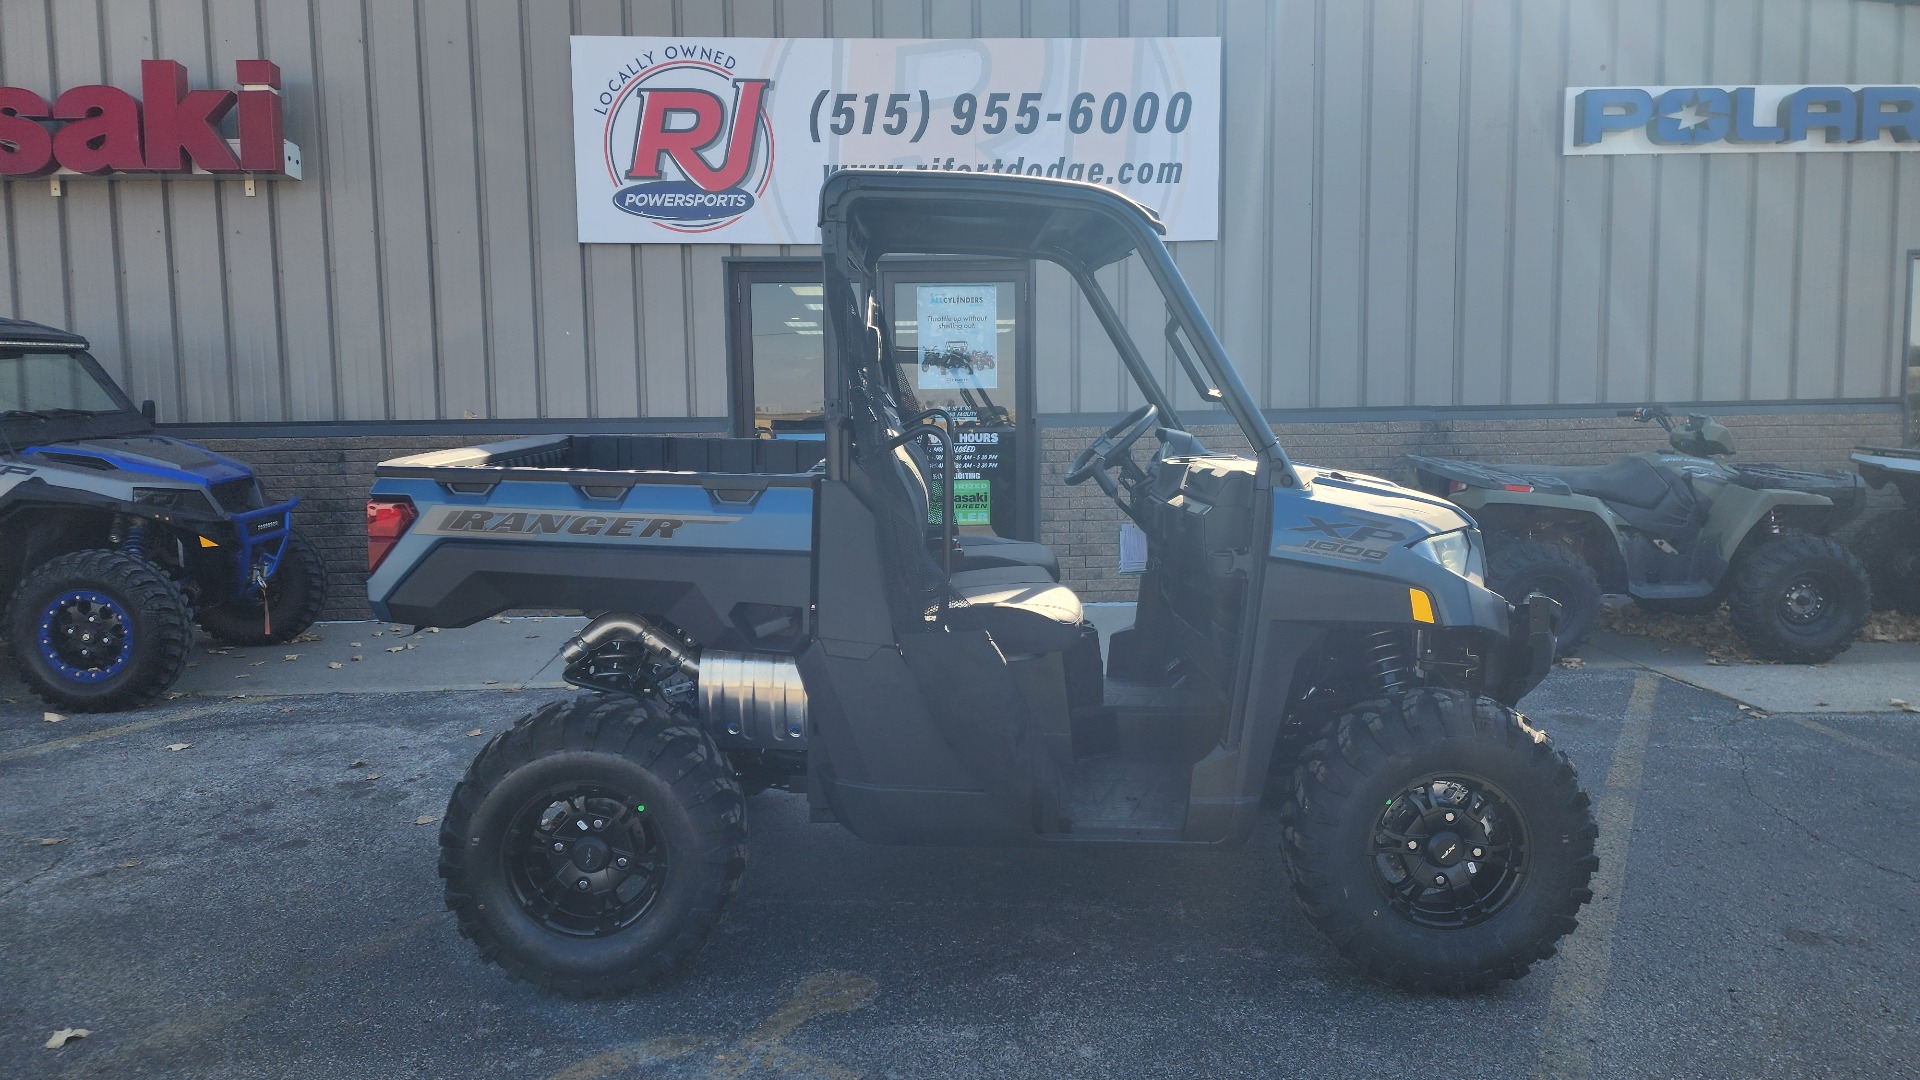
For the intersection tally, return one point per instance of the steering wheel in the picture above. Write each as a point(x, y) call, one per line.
point(1111, 448)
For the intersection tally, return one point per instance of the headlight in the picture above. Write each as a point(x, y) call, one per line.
point(173, 498)
point(1458, 551)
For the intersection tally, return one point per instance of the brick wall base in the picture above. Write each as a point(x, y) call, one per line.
point(332, 475)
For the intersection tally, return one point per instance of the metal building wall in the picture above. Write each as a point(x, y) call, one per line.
point(1410, 233)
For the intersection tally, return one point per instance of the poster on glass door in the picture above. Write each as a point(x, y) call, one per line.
point(958, 335)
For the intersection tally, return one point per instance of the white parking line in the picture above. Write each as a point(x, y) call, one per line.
point(105, 733)
point(1586, 956)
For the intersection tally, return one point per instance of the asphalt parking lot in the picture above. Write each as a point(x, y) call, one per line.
point(255, 903)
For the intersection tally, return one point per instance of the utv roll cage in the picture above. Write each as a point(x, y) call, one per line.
point(869, 213)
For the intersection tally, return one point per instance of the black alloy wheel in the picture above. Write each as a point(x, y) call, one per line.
point(584, 860)
point(1439, 841)
point(1449, 852)
point(591, 849)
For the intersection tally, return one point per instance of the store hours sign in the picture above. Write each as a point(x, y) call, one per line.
point(727, 140)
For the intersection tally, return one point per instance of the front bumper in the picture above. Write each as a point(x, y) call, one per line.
point(1528, 653)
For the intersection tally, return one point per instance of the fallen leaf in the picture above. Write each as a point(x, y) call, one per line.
point(397, 648)
point(353, 645)
point(243, 675)
point(178, 746)
point(290, 656)
point(1898, 703)
point(358, 765)
point(356, 656)
point(1572, 662)
point(193, 663)
point(236, 697)
point(52, 717)
point(286, 708)
point(371, 776)
point(64, 1036)
point(425, 819)
point(502, 622)
point(49, 841)
point(395, 629)
point(412, 645)
point(128, 865)
point(259, 663)
point(379, 633)
point(335, 665)
point(309, 636)
point(474, 732)
point(490, 682)
point(433, 629)
point(533, 635)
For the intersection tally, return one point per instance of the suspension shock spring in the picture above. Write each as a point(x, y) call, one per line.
point(136, 542)
point(1384, 663)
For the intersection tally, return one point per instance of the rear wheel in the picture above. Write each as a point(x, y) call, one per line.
point(294, 596)
point(1440, 842)
point(1517, 567)
point(1889, 546)
point(591, 849)
point(1799, 599)
point(95, 631)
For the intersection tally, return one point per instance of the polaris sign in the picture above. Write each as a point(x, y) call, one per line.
point(1740, 119)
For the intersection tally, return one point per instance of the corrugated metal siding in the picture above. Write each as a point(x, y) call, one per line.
point(1410, 236)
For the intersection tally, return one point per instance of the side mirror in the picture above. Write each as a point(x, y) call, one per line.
point(147, 410)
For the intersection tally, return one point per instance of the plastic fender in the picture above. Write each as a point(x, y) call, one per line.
point(1737, 510)
point(1533, 500)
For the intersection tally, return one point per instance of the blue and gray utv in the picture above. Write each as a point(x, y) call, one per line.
point(114, 540)
point(763, 617)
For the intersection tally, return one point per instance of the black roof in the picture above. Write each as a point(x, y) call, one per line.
point(935, 212)
point(20, 332)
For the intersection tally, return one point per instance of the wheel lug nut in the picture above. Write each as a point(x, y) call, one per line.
point(1449, 815)
point(621, 863)
point(1477, 852)
point(599, 824)
point(1439, 879)
point(1413, 845)
point(583, 884)
point(559, 846)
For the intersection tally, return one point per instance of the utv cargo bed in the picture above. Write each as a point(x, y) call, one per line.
point(555, 522)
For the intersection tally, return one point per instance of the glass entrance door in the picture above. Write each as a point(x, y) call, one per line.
point(961, 334)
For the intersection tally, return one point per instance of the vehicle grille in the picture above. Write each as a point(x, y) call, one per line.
point(238, 495)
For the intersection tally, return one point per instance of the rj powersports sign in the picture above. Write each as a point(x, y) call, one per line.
point(727, 140)
point(1741, 119)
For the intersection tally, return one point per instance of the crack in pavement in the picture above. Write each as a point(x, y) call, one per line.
point(58, 858)
point(1746, 781)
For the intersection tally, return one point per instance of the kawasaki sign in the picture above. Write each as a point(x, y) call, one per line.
point(1740, 119)
point(98, 130)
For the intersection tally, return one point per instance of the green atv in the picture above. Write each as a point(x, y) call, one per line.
point(1679, 532)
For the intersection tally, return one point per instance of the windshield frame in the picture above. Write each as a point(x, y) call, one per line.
point(124, 419)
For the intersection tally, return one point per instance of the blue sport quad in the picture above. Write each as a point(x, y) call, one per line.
point(114, 539)
point(771, 613)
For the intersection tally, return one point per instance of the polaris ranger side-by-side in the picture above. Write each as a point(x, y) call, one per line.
point(115, 540)
point(763, 621)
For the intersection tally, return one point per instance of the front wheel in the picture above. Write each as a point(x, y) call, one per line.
point(1517, 567)
point(591, 849)
point(1439, 841)
point(95, 631)
point(1799, 599)
point(294, 596)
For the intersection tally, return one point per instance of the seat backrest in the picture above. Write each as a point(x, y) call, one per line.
point(916, 582)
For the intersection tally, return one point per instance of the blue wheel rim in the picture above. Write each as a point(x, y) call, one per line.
point(86, 636)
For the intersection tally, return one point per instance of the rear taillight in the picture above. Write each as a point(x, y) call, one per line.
point(387, 522)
